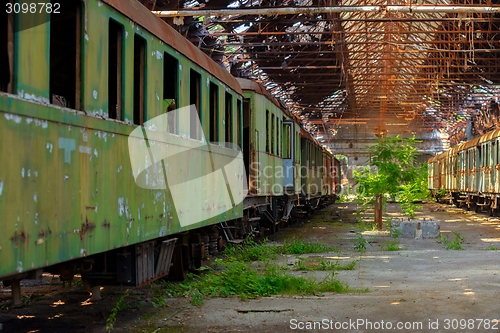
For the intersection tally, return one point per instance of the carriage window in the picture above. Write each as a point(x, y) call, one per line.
point(229, 117)
point(65, 50)
point(195, 99)
point(267, 131)
point(115, 70)
point(139, 79)
point(214, 106)
point(272, 134)
point(238, 122)
point(286, 141)
point(6, 51)
point(170, 79)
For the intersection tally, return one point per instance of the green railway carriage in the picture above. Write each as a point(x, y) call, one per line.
point(312, 170)
point(469, 173)
point(272, 159)
point(74, 85)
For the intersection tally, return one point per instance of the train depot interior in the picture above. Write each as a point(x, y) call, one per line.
point(150, 149)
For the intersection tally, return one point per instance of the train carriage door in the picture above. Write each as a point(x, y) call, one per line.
point(247, 151)
point(288, 156)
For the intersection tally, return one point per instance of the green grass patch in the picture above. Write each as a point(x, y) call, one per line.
point(394, 246)
point(239, 279)
point(455, 244)
point(265, 251)
point(320, 264)
point(296, 246)
point(490, 248)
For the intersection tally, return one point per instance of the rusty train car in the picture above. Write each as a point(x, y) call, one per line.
point(75, 86)
point(469, 173)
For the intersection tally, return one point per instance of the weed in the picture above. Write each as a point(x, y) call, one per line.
point(394, 246)
point(395, 232)
point(360, 243)
point(120, 305)
point(456, 244)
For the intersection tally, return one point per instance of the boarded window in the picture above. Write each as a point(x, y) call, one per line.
point(6, 51)
point(139, 79)
point(170, 90)
point(65, 55)
point(195, 98)
point(214, 115)
point(229, 117)
point(115, 70)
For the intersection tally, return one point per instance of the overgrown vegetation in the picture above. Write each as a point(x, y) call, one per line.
point(234, 275)
point(253, 251)
point(455, 244)
point(393, 173)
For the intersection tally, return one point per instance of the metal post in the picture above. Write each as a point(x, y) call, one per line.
point(378, 211)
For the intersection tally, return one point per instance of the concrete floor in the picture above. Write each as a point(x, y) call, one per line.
point(424, 288)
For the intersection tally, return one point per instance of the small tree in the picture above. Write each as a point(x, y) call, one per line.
point(394, 173)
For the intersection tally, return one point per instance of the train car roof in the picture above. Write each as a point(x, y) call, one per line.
point(433, 159)
point(469, 144)
point(135, 11)
point(247, 84)
point(490, 136)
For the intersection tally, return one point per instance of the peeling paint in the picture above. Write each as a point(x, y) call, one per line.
point(29, 120)
point(96, 153)
point(35, 173)
point(35, 197)
point(1, 187)
point(87, 37)
point(20, 267)
point(17, 119)
point(49, 146)
point(119, 169)
point(94, 94)
point(157, 96)
point(85, 150)
point(22, 173)
point(158, 55)
point(29, 173)
point(126, 34)
point(43, 123)
point(66, 177)
point(121, 206)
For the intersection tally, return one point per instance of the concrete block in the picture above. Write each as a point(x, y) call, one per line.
point(416, 228)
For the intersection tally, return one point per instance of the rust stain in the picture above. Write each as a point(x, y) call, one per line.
point(106, 224)
point(87, 226)
point(90, 207)
point(18, 238)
